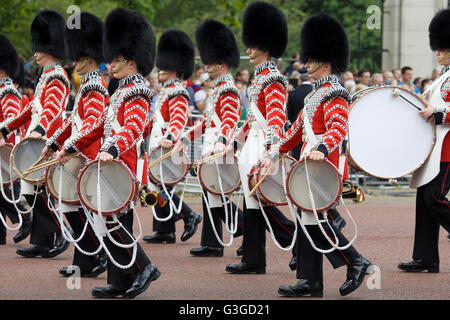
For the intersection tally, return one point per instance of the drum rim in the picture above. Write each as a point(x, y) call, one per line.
point(75, 202)
point(11, 146)
point(357, 166)
point(171, 183)
point(318, 210)
point(258, 174)
point(117, 211)
point(213, 192)
point(32, 181)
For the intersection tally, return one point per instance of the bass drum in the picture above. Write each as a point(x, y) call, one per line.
point(387, 138)
point(172, 170)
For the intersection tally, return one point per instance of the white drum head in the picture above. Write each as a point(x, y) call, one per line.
point(25, 154)
point(116, 187)
point(387, 137)
point(325, 182)
point(5, 155)
point(70, 172)
point(228, 170)
point(172, 170)
point(272, 188)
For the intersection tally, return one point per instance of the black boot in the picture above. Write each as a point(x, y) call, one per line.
point(245, 268)
point(32, 251)
point(419, 266)
point(144, 278)
point(108, 292)
point(293, 263)
point(61, 245)
point(355, 275)
point(24, 230)
point(205, 251)
point(303, 288)
point(240, 251)
point(190, 225)
point(160, 238)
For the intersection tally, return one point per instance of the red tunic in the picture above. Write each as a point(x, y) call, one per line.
point(10, 100)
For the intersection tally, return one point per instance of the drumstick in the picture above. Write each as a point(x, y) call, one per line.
point(264, 177)
point(164, 157)
point(45, 165)
point(396, 93)
point(212, 157)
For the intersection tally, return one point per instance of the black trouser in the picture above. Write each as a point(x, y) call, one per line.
point(118, 276)
point(432, 211)
point(254, 241)
point(169, 225)
point(9, 210)
point(310, 261)
point(45, 223)
point(208, 237)
point(88, 243)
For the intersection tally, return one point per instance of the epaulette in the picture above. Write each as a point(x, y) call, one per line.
point(57, 73)
point(274, 76)
point(7, 87)
point(94, 84)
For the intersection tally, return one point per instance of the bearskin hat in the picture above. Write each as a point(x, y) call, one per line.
point(47, 33)
point(265, 27)
point(9, 61)
point(216, 44)
point(439, 31)
point(128, 33)
point(86, 41)
point(176, 52)
point(20, 76)
point(323, 39)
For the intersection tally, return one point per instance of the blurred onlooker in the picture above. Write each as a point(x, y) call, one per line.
point(290, 67)
point(397, 73)
point(377, 79)
point(198, 71)
point(347, 76)
point(418, 84)
point(105, 70)
point(426, 83)
point(435, 73)
point(350, 85)
point(388, 78)
point(364, 77)
point(201, 96)
point(294, 80)
point(185, 85)
point(243, 76)
point(407, 77)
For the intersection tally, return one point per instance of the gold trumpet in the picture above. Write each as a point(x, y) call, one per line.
point(353, 193)
point(151, 198)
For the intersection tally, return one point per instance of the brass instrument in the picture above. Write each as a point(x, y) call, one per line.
point(351, 192)
point(151, 198)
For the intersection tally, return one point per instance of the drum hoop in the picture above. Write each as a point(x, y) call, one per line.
point(53, 194)
point(358, 167)
point(258, 176)
point(200, 166)
point(13, 152)
point(318, 210)
point(10, 146)
point(130, 198)
point(157, 181)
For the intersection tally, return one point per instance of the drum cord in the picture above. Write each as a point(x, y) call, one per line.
point(294, 238)
point(12, 202)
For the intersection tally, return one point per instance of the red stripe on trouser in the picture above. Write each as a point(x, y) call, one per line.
point(281, 224)
point(346, 260)
point(51, 212)
point(92, 236)
point(128, 250)
point(443, 185)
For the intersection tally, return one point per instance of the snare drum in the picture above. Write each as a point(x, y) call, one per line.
point(118, 186)
point(324, 180)
point(5, 158)
point(387, 137)
point(228, 171)
point(271, 190)
point(70, 172)
point(172, 170)
point(24, 155)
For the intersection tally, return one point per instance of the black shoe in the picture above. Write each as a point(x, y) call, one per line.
point(32, 251)
point(240, 251)
point(244, 268)
point(96, 271)
point(142, 282)
point(24, 230)
point(293, 264)
point(303, 288)
point(339, 223)
point(207, 252)
point(160, 238)
point(61, 245)
point(355, 275)
point(418, 266)
point(108, 292)
point(191, 225)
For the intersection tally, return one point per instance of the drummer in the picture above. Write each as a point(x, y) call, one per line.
point(10, 98)
point(85, 48)
point(325, 50)
point(433, 182)
point(175, 61)
point(220, 53)
point(129, 45)
point(45, 112)
point(262, 129)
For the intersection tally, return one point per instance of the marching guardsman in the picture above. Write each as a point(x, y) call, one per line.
point(129, 45)
point(45, 112)
point(265, 33)
point(433, 179)
point(325, 51)
point(220, 53)
point(175, 60)
point(84, 47)
point(10, 70)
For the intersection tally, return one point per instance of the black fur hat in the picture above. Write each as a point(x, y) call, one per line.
point(439, 31)
point(9, 61)
point(86, 41)
point(20, 76)
point(323, 39)
point(217, 44)
point(176, 52)
point(265, 27)
point(47, 33)
point(128, 33)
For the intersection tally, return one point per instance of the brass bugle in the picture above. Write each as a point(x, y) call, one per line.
point(149, 198)
point(353, 193)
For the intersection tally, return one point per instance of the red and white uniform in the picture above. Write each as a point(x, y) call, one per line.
point(90, 102)
point(10, 101)
point(442, 115)
point(265, 121)
point(327, 110)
